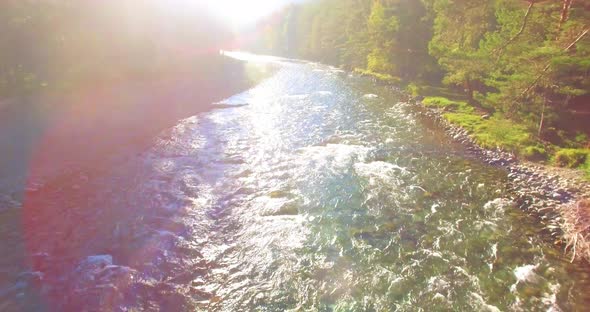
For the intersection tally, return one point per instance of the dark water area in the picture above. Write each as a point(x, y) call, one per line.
point(315, 190)
point(54, 139)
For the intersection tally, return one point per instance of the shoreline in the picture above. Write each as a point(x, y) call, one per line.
point(550, 194)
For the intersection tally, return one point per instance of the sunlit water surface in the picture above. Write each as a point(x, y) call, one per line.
point(326, 192)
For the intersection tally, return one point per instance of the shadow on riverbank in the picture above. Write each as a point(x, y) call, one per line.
point(60, 141)
point(47, 135)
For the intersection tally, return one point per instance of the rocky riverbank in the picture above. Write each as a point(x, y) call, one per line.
point(556, 196)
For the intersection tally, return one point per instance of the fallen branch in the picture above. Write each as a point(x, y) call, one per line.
point(576, 229)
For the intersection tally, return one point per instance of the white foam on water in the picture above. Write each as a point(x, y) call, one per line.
point(269, 206)
point(379, 169)
point(296, 96)
point(238, 99)
point(438, 284)
point(370, 96)
point(525, 274)
point(337, 156)
point(325, 93)
point(481, 304)
point(494, 255)
point(498, 206)
point(550, 298)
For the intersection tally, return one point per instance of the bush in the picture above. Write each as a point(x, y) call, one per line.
point(571, 157)
point(534, 153)
point(413, 89)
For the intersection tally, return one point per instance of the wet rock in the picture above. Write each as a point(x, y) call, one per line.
point(8, 202)
point(93, 262)
point(31, 278)
point(98, 284)
point(40, 261)
point(92, 271)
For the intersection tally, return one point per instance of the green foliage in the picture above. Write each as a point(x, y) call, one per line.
point(384, 37)
point(413, 89)
point(380, 77)
point(581, 139)
point(534, 153)
point(496, 132)
point(493, 132)
point(518, 61)
point(571, 157)
point(446, 104)
point(378, 62)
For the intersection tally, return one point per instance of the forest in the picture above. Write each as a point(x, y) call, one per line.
point(514, 73)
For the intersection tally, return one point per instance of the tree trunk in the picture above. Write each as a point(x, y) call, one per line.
point(565, 13)
point(469, 90)
point(541, 123)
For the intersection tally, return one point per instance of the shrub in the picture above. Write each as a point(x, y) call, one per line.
point(534, 153)
point(413, 89)
point(571, 157)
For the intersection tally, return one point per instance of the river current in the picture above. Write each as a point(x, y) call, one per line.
point(316, 190)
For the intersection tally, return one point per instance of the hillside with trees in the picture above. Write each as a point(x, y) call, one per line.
point(515, 73)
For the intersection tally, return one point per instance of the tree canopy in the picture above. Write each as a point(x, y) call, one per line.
point(527, 60)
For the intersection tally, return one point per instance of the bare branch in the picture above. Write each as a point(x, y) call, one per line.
point(522, 27)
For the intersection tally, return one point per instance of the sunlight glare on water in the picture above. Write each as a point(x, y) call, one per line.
point(321, 191)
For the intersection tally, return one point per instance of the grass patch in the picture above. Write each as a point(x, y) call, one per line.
point(572, 158)
point(499, 132)
point(446, 104)
point(494, 132)
point(381, 77)
point(534, 153)
point(418, 89)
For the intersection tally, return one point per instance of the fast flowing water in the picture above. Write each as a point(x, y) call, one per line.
point(318, 190)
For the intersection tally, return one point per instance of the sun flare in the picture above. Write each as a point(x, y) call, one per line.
point(236, 13)
point(239, 13)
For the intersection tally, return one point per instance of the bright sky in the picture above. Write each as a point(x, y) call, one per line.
point(239, 13)
point(236, 13)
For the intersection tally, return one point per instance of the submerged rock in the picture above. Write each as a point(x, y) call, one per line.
point(370, 96)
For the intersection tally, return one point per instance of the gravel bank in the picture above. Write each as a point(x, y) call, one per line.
point(553, 195)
